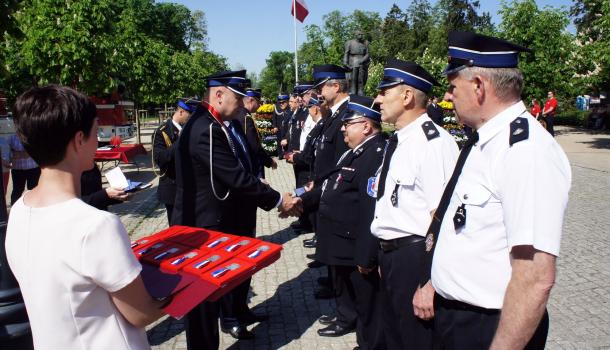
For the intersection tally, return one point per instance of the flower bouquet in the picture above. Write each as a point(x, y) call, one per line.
point(452, 125)
point(264, 126)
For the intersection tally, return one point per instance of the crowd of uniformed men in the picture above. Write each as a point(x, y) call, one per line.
point(426, 246)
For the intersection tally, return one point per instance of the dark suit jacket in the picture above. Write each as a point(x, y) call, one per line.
point(435, 112)
point(346, 208)
point(164, 157)
point(258, 154)
point(91, 189)
point(330, 146)
point(305, 158)
point(198, 176)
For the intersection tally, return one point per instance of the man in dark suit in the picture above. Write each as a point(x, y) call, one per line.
point(214, 180)
point(301, 173)
point(346, 204)
point(435, 112)
point(260, 157)
point(164, 148)
point(280, 113)
point(332, 85)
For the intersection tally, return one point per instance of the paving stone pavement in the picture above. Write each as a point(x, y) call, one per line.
point(579, 307)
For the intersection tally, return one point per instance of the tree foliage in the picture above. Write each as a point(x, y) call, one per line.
point(551, 66)
point(278, 76)
point(156, 50)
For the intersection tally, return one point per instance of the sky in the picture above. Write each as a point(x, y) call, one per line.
point(246, 31)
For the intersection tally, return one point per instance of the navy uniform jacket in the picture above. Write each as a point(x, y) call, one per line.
point(277, 120)
point(297, 122)
point(91, 189)
point(329, 146)
point(257, 152)
point(305, 158)
point(164, 151)
point(346, 205)
point(196, 205)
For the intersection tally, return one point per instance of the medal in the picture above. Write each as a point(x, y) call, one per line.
point(459, 219)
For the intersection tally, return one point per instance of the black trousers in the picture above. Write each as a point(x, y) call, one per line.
point(234, 305)
point(460, 326)
point(170, 209)
point(358, 300)
point(399, 281)
point(20, 178)
point(201, 325)
point(550, 124)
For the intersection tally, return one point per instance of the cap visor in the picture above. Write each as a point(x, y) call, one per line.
point(453, 68)
point(387, 83)
point(318, 83)
point(237, 91)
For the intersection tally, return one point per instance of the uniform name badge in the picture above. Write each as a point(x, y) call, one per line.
point(459, 219)
point(371, 187)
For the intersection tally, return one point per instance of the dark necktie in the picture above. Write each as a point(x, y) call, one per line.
point(439, 214)
point(241, 148)
point(387, 157)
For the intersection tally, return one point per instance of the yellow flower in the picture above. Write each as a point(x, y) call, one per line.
point(446, 105)
point(266, 108)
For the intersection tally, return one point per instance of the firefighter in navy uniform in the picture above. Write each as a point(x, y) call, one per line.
point(280, 113)
point(164, 148)
point(346, 204)
point(332, 85)
point(213, 182)
point(260, 157)
point(301, 173)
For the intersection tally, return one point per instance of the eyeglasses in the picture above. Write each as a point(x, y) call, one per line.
point(346, 124)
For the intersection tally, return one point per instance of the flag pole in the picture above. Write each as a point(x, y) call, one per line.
point(296, 59)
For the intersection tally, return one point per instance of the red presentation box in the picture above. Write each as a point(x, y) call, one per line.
point(226, 276)
point(168, 252)
point(153, 246)
point(179, 261)
point(193, 265)
point(261, 254)
point(143, 242)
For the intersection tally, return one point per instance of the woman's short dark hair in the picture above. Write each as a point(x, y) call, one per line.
point(47, 118)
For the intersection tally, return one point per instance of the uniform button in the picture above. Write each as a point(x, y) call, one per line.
point(465, 196)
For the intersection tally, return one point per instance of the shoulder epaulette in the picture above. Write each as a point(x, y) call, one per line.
point(430, 130)
point(519, 130)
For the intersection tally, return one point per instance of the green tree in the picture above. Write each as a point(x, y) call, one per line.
point(544, 31)
point(278, 74)
point(66, 43)
point(396, 36)
point(592, 19)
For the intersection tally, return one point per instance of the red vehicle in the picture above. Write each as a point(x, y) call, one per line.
point(115, 118)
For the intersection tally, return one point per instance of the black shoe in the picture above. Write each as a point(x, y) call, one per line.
point(251, 318)
point(327, 319)
point(324, 281)
point(311, 256)
point(314, 264)
point(310, 243)
point(334, 330)
point(324, 293)
point(239, 332)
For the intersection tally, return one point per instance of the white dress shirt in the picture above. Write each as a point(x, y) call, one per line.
point(418, 172)
point(513, 195)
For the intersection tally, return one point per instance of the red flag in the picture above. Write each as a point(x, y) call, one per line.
point(302, 10)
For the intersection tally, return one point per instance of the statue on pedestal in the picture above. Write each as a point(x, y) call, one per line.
point(356, 58)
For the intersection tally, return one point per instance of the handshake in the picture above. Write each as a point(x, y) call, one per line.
point(290, 206)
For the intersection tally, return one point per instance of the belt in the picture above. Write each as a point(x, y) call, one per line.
point(393, 244)
point(459, 305)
